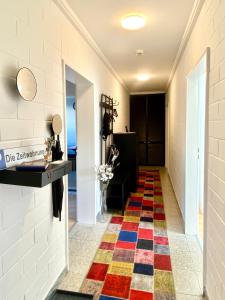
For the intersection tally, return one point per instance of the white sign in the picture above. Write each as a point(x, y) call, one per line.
point(15, 156)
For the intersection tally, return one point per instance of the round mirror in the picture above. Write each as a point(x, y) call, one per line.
point(26, 84)
point(57, 124)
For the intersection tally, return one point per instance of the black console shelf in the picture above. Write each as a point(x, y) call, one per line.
point(36, 179)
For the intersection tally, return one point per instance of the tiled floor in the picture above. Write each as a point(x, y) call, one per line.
point(186, 254)
point(201, 227)
point(72, 207)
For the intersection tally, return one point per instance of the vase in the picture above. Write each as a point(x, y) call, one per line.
point(103, 206)
point(48, 156)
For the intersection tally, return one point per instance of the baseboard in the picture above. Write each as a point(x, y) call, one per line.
point(172, 185)
point(55, 284)
point(205, 293)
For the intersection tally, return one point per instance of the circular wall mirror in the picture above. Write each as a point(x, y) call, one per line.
point(57, 124)
point(26, 84)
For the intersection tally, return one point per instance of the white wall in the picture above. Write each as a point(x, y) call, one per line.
point(208, 31)
point(37, 35)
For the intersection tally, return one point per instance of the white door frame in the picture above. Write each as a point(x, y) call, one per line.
point(85, 171)
point(190, 202)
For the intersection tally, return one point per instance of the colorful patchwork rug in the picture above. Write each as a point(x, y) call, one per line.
point(133, 259)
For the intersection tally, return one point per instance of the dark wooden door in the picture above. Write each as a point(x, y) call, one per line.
point(147, 118)
point(156, 129)
point(138, 118)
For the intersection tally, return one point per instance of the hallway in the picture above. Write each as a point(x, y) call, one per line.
point(121, 50)
point(186, 255)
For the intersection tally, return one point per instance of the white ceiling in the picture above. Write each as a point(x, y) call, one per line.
point(160, 38)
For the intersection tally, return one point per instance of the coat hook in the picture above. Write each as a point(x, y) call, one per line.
point(115, 103)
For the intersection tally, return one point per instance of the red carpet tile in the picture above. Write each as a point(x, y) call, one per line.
point(107, 246)
point(130, 226)
point(139, 295)
point(134, 264)
point(162, 262)
point(125, 245)
point(146, 234)
point(159, 240)
point(117, 286)
point(97, 271)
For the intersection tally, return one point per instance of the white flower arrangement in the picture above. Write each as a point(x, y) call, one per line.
point(105, 171)
point(105, 174)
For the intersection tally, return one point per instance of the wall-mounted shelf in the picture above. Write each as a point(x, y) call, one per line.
point(36, 179)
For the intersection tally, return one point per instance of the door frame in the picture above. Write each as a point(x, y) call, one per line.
point(205, 55)
point(84, 91)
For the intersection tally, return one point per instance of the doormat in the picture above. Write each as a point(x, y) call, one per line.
point(67, 295)
point(133, 259)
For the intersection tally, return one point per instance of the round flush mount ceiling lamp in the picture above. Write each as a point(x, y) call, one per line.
point(139, 52)
point(133, 21)
point(143, 77)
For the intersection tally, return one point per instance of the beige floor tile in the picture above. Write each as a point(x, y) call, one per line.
point(200, 280)
point(186, 282)
point(194, 245)
point(75, 246)
point(95, 235)
point(182, 261)
point(79, 233)
point(71, 282)
point(178, 244)
point(201, 226)
point(198, 262)
point(175, 228)
point(80, 264)
point(86, 249)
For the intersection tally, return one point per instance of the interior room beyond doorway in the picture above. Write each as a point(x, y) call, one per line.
point(71, 132)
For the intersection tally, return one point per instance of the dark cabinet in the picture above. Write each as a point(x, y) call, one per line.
point(125, 175)
point(147, 119)
point(126, 143)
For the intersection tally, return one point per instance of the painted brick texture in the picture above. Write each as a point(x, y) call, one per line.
point(209, 31)
point(37, 35)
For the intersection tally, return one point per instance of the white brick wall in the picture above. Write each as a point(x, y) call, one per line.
point(209, 31)
point(37, 35)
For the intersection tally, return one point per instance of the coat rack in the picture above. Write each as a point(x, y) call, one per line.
point(107, 105)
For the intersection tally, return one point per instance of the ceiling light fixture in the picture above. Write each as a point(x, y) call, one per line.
point(143, 77)
point(139, 52)
point(133, 21)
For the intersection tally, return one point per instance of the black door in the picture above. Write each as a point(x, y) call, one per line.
point(147, 119)
point(138, 117)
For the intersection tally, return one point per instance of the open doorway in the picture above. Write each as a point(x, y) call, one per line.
point(196, 143)
point(80, 136)
point(80, 112)
point(195, 149)
point(71, 133)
